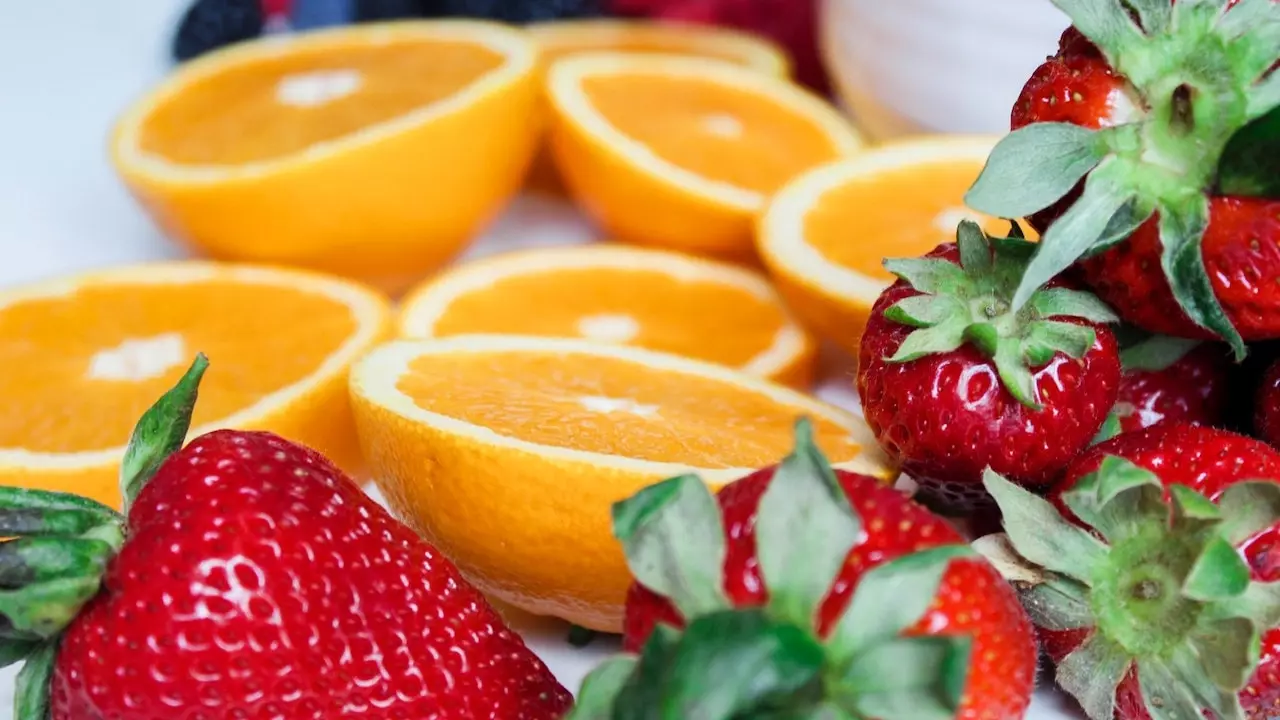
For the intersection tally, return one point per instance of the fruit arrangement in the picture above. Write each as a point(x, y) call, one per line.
point(1058, 383)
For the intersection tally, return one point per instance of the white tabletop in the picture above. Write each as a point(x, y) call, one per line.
point(67, 67)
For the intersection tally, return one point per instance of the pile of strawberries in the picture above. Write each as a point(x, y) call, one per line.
point(1082, 389)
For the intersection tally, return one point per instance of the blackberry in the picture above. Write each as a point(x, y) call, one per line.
point(210, 24)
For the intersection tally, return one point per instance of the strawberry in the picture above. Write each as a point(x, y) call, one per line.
point(1171, 379)
point(1148, 149)
point(808, 593)
point(952, 381)
point(250, 579)
point(1151, 574)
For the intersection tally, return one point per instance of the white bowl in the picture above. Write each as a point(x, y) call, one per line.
point(906, 67)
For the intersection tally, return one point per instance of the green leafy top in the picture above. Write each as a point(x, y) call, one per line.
point(1202, 77)
point(61, 544)
point(972, 303)
point(1159, 582)
point(768, 662)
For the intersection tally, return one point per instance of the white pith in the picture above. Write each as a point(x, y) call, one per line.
point(423, 309)
point(564, 86)
point(374, 378)
point(367, 309)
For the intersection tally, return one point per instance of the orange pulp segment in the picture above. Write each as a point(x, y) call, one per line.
point(607, 293)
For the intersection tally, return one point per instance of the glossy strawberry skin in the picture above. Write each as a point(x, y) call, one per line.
point(973, 598)
point(1241, 250)
point(259, 582)
point(945, 418)
point(1191, 390)
point(1210, 461)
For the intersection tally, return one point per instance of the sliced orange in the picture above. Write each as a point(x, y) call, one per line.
point(563, 38)
point(683, 152)
point(83, 357)
point(508, 451)
point(376, 151)
point(610, 293)
point(824, 236)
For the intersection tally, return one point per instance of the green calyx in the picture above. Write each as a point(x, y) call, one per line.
point(1159, 582)
point(768, 662)
point(59, 547)
point(973, 303)
point(1202, 88)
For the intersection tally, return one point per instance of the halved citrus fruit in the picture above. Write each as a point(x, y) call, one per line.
point(824, 236)
point(682, 152)
point(562, 38)
point(82, 358)
point(508, 451)
point(610, 293)
point(376, 151)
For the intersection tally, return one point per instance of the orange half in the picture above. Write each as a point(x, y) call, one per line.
point(507, 452)
point(615, 294)
point(683, 152)
point(82, 358)
point(825, 235)
point(375, 150)
point(564, 38)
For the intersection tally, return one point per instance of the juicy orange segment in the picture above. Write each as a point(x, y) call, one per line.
point(293, 151)
point(682, 152)
point(825, 235)
point(645, 298)
point(82, 359)
point(507, 452)
point(296, 101)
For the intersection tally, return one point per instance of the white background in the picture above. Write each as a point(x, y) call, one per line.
point(67, 67)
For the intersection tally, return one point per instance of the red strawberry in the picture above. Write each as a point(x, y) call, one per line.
point(1149, 574)
point(1171, 379)
point(251, 579)
point(792, 24)
point(1130, 153)
point(809, 587)
point(952, 382)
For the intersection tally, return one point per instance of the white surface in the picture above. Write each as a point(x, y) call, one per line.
point(908, 66)
point(66, 68)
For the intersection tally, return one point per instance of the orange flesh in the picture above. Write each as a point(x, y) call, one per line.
point(656, 415)
point(714, 131)
point(258, 339)
point(673, 316)
point(234, 117)
point(892, 214)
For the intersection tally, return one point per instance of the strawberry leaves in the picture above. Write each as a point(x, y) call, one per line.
point(1032, 168)
point(1250, 164)
point(1160, 583)
point(160, 432)
point(971, 303)
point(674, 541)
